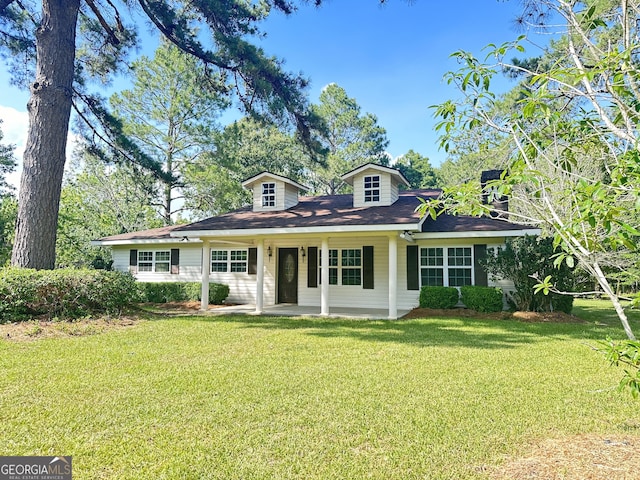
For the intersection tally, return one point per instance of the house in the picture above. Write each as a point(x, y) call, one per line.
point(367, 249)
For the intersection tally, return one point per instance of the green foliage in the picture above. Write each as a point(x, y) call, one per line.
point(162, 292)
point(7, 163)
point(8, 214)
point(482, 299)
point(526, 261)
point(626, 353)
point(98, 201)
point(63, 293)
point(418, 170)
point(350, 137)
point(438, 297)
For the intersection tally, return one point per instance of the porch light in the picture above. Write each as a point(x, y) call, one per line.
point(269, 252)
point(303, 253)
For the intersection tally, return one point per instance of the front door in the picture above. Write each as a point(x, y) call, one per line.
point(288, 275)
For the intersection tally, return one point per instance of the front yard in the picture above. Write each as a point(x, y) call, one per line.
point(258, 397)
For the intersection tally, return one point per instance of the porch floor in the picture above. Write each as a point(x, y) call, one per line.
point(290, 310)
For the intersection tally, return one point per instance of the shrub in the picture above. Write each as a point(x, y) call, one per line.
point(65, 293)
point(162, 292)
point(438, 297)
point(482, 299)
point(561, 303)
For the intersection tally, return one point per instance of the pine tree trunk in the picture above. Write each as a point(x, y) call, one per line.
point(49, 109)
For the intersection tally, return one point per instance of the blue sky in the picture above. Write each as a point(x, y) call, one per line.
point(391, 58)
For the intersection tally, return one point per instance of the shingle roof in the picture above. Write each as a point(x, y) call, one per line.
point(330, 211)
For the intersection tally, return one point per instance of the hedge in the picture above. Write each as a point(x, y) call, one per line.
point(63, 293)
point(482, 299)
point(162, 292)
point(438, 297)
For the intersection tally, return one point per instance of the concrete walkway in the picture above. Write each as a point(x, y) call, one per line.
point(289, 310)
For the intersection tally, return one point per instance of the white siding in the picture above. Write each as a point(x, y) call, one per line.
point(351, 295)
point(290, 196)
point(388, 189)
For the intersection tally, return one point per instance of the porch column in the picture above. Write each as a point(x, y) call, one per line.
point(204, 293)
point(260, 277)
point(393, 277)
point(324, 276)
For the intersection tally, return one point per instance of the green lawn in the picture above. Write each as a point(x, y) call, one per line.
point(259, 397)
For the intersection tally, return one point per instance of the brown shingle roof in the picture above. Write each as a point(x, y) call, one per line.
point(330, 211)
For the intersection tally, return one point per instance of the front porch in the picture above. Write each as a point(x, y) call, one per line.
point(289, 310)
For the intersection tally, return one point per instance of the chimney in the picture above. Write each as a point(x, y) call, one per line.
point(500, 203)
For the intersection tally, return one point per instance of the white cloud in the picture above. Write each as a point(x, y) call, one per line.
point(15, 125)
point(14, 129)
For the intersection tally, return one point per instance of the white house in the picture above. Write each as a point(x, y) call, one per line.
point(368, 249)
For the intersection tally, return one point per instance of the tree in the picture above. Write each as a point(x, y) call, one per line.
point(574, 157)
point(350, 138)
point(7, 163)
point(418, 170)
point(74, 41)
point(99, 200)
point(170, 116)
point(245, 148)
point(525, 260)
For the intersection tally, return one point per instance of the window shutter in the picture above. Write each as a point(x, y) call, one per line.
point(175, 261)
point(252, 267)
point(133, 261)
point(312, 267)
point(480, 274)
point(413, 279)
point(367, 267)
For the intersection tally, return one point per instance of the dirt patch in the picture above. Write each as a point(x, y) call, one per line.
point(35, 329)
point(557, 317)
point(585, 457)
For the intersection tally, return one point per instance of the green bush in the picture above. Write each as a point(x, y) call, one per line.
point(438, 297)
point(561, 303)
point(162, 292)
point(481, 299)
point(64, 293)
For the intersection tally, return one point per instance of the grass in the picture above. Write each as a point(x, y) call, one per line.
point(260, 397)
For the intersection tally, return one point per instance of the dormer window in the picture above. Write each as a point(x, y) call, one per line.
point(269, 194)
point(372, 188)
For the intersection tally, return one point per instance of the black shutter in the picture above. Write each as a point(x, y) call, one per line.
point(480, 274)
point(413, 279)
point(175, 261)
point(312, 267)
point(133, 261)
point(252, 267)
point(367, 267)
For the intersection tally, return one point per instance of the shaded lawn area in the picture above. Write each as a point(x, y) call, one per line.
point(263, 397)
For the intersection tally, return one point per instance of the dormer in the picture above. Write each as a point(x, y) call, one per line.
point(375, 185)
point(273, 192)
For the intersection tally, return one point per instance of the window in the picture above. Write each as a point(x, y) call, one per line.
point(269, 194)
point(454, 270)
point(372, 188)
point(219, 260)
point(351, 267)
point(151, 261)
point(347, 271)
point(229, 261)
point(333, 266)
point(431, 266)
point(460, 258)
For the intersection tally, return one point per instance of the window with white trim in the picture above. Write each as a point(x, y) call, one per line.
point(345, 269)
point(333, 266)
point(269, 194)
point(372, 188)
point(452, 270)
point(234, 261)
point(154, 261)
point(431, 267)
